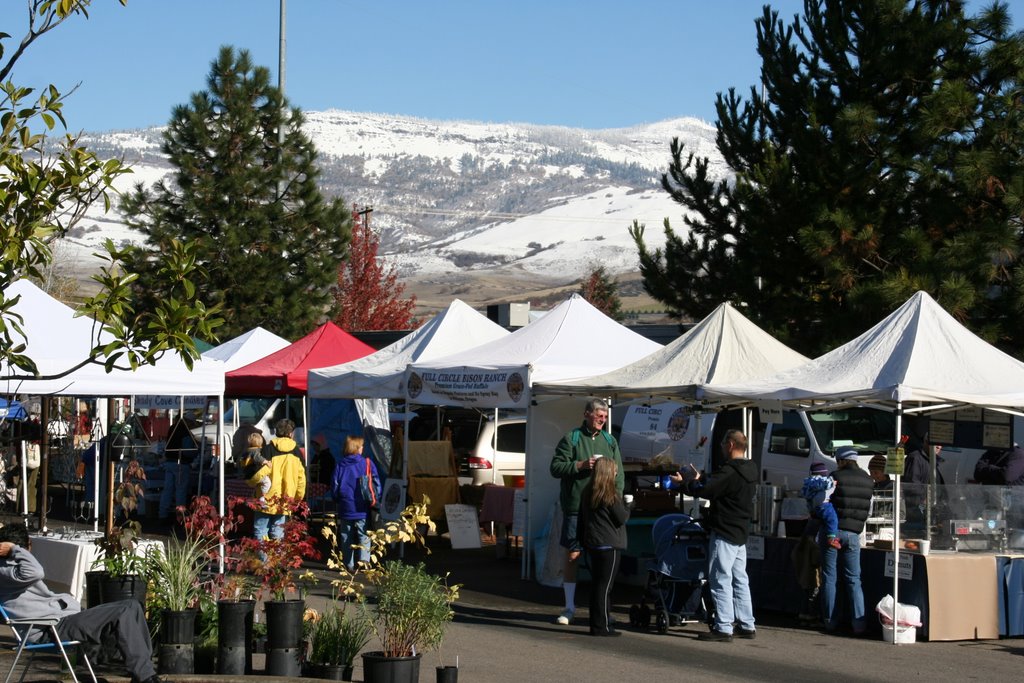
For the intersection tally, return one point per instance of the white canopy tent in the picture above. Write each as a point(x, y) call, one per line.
point(246, 348)
point(382, 374)
point(573, 341)
point(57, 340)
point(917, 360)
point(723, 348)
point(919, 353)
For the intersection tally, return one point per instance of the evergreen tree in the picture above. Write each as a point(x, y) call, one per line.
point(369, 293)
point(883, 156)
point(602, 292)
point(269, 240)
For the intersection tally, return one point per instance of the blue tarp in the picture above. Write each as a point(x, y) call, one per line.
point(12, 411)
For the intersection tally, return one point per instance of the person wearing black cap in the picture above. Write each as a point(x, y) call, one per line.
point(876, 468)
point(852, 502)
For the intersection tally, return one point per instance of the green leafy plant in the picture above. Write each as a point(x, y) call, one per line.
point(413, 607)
point(118, 555)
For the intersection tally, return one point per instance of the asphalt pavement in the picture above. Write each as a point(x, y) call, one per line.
point(505, 630)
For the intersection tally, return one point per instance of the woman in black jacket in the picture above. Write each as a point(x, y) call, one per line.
point(602, 522)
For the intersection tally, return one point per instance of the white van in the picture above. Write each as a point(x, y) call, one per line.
point(261, 412)
point(785, 450)
point(500, 451)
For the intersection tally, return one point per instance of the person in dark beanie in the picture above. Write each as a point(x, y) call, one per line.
point(852, 502)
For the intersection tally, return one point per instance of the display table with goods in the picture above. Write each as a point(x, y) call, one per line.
point(66, 558)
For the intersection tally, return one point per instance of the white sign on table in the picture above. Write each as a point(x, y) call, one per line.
point(906, 565)
point(463, 526)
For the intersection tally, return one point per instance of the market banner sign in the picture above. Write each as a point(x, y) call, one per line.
point(469, 387)
point(169, 402)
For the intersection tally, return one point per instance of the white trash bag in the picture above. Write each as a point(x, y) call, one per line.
point(909, 615)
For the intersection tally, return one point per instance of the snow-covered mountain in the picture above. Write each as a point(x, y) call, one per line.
point(467, 196)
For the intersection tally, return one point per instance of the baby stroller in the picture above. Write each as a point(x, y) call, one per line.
point(676, 577)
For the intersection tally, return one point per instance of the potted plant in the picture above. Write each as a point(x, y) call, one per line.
point(227, 623)
point(412, 607)
point(176, 576)
point(122, 566)
point(272, 562)
point(337, 637)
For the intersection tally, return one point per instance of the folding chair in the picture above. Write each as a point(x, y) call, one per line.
point(45, 626)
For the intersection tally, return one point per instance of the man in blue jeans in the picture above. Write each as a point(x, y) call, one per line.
point(852, 502)
point(731, 492)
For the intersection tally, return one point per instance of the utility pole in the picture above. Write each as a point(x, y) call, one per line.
point(280, 87)
point(364, 214)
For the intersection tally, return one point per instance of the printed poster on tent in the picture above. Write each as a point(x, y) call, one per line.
point(469, 387)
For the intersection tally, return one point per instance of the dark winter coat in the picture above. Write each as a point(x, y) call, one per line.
point(603, 526)
point(731, 490)
point(852, 497)
point(1002, 468)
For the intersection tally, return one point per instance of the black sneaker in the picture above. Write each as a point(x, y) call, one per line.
point(747, 633)
point(715, 635)
point(610, 633)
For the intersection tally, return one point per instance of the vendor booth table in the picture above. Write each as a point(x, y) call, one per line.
point(958, 593)
point(66, 560)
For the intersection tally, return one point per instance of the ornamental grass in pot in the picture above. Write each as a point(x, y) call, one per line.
point(338, 635)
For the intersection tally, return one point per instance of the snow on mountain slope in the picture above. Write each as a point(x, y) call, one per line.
point(469, 196)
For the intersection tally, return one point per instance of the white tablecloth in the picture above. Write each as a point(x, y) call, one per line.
point(66, 561)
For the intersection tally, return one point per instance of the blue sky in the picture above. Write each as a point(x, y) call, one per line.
point(587, 64)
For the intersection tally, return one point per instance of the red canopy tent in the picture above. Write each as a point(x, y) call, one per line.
point(283, 373)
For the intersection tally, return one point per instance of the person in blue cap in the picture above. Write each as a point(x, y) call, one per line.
point(852, 502)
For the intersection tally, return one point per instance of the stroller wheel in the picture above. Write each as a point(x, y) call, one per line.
point(662, 622)
point(634, 616)
point(644, 617)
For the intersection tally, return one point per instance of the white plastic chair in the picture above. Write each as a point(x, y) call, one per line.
point(22, 629)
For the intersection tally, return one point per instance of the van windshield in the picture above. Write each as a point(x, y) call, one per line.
point(250, 410)
point(871, 431)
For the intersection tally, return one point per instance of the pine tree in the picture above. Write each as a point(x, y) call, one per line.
point(602, 292)
point(369, 293)
point(270, 241)
point(883, 157)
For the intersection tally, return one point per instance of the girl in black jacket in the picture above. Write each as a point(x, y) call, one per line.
point(602, 523)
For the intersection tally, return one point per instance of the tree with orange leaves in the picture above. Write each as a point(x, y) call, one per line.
point(369, 293)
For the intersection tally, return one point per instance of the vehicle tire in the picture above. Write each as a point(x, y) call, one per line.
point(662, 622)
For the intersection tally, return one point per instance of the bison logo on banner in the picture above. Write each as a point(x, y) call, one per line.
point(415, 385)
point(515, 386)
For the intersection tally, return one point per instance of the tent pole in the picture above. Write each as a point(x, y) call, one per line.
point(110, 471)
point(220, 479)
point(896, 532)
point(44, 460)
point(24, 478)
point(494, 450)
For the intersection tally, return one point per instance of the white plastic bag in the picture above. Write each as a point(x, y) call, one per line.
point(909, 615)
